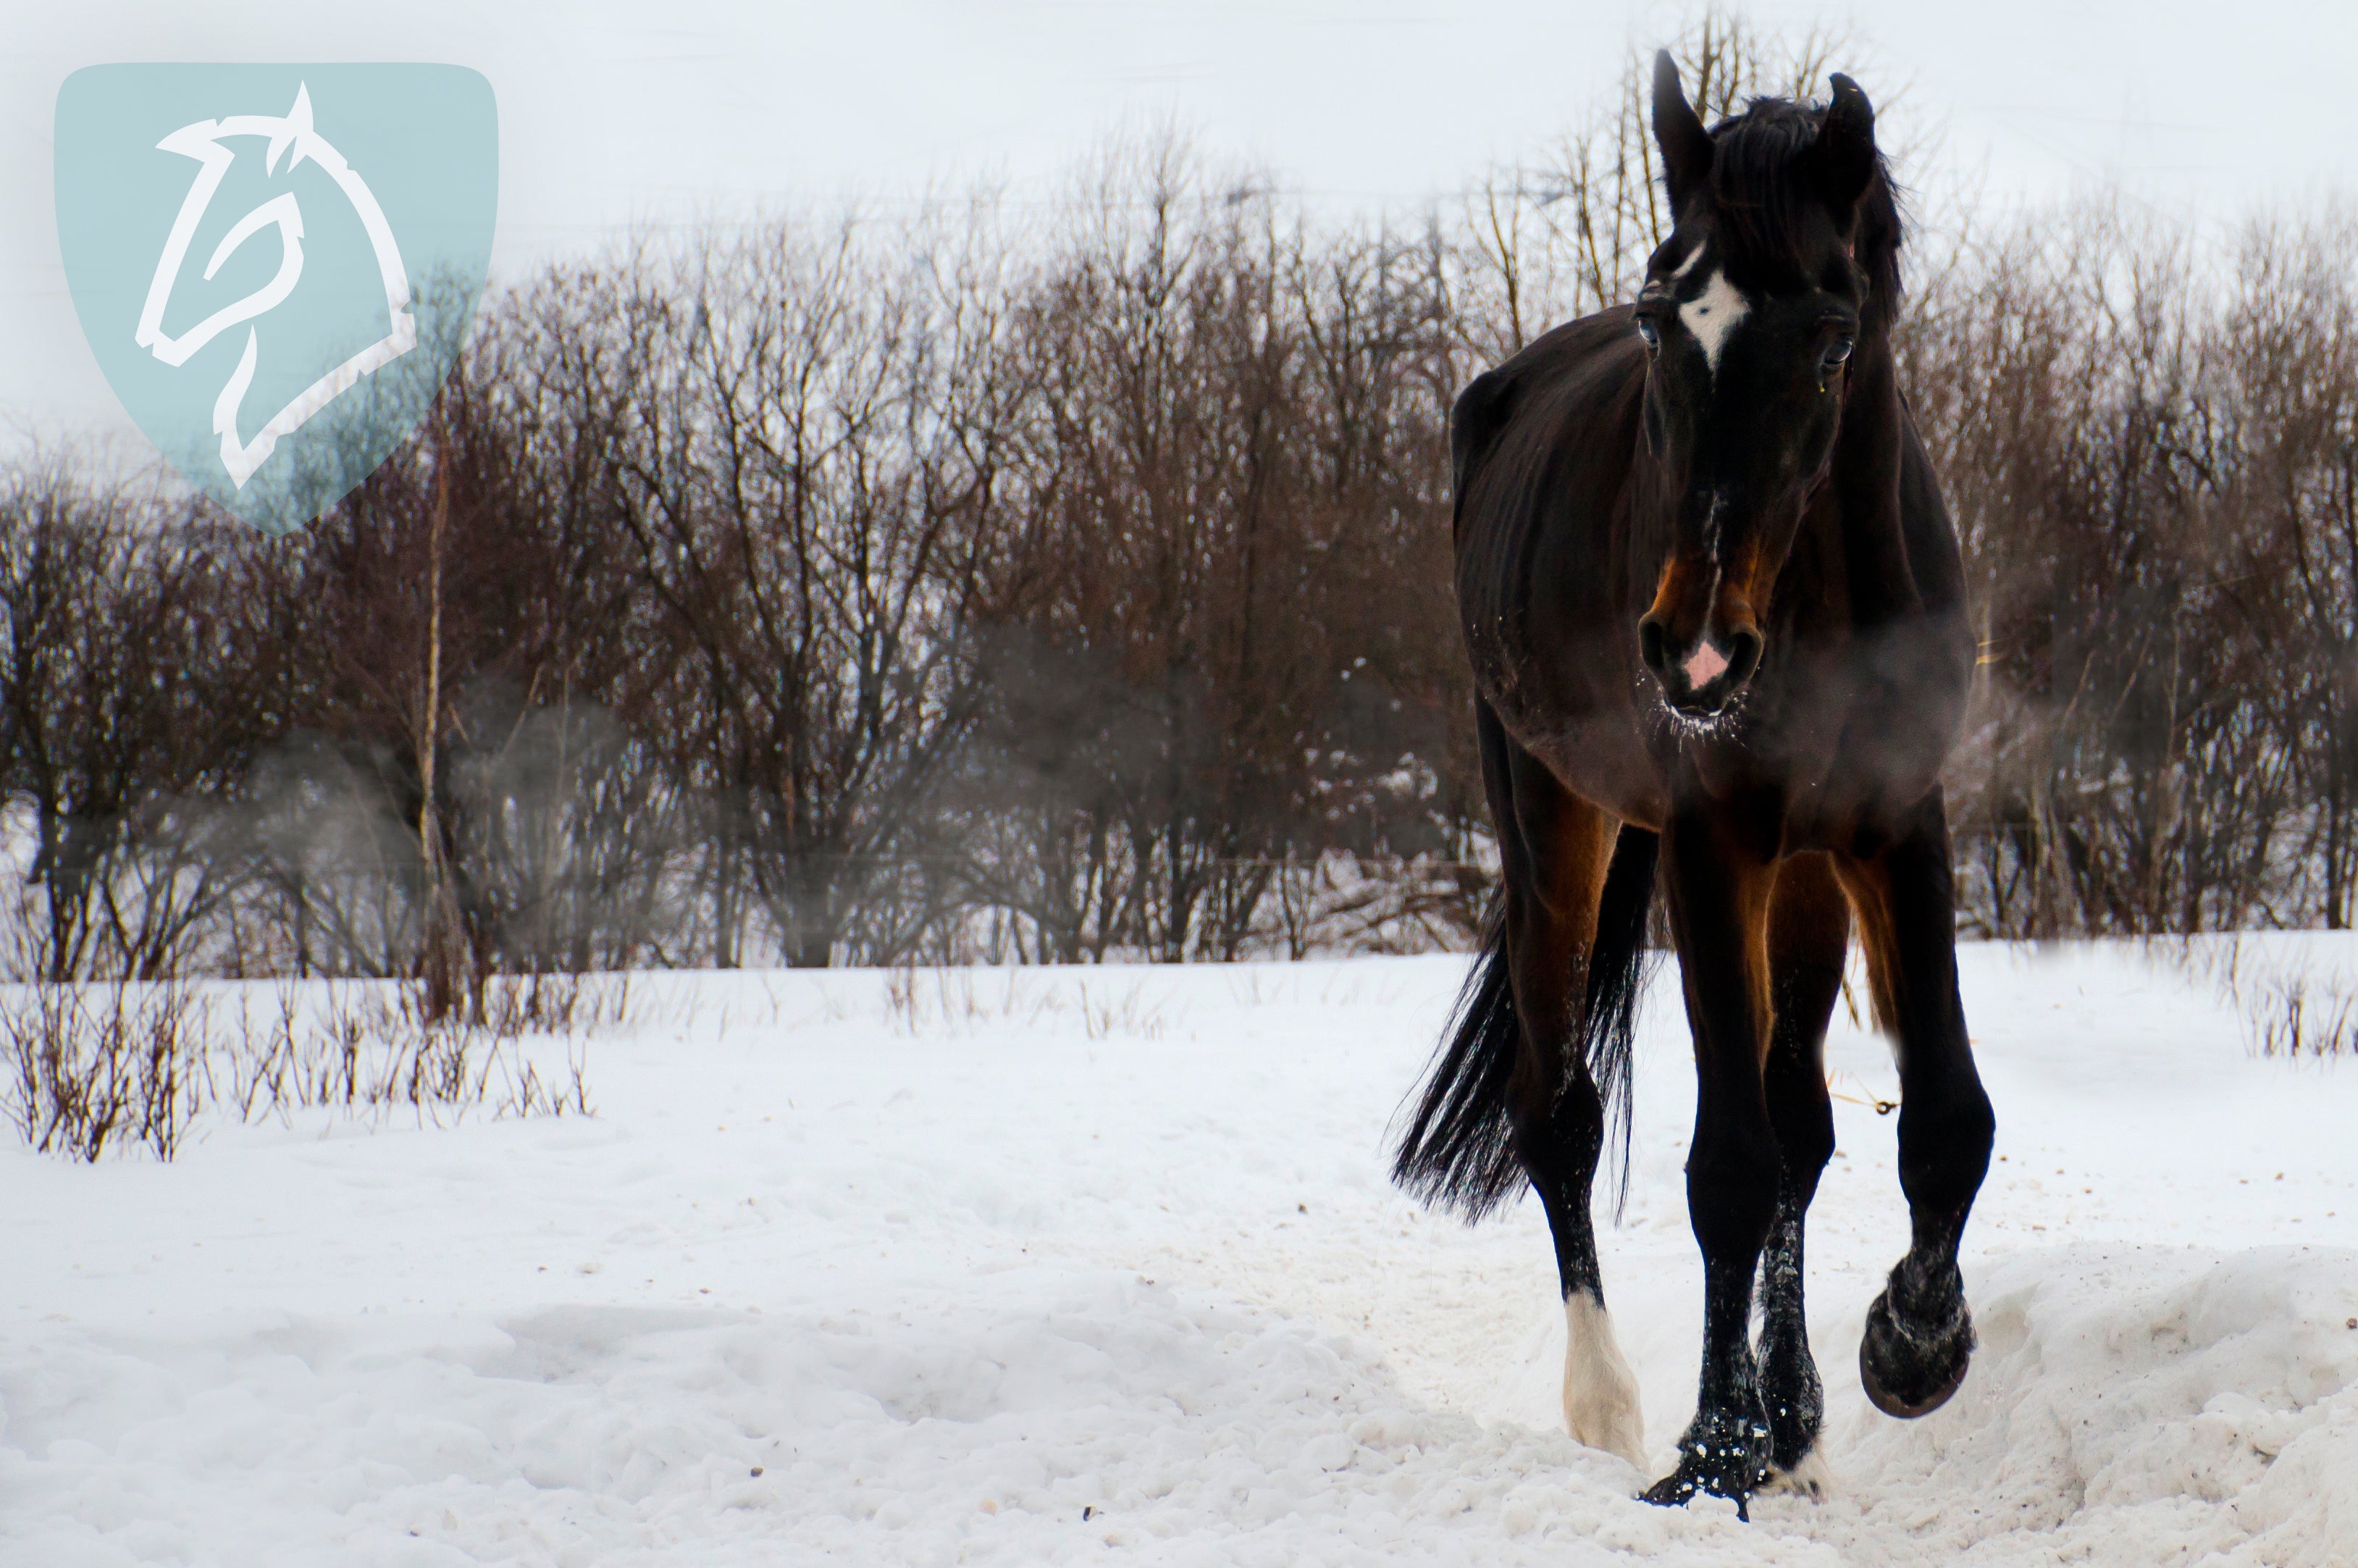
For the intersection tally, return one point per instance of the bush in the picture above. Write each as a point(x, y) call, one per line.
point(98, 1065)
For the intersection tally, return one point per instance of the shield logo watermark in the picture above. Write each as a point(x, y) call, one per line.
point(277, 265)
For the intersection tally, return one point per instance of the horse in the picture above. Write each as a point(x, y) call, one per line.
point(1714, 608)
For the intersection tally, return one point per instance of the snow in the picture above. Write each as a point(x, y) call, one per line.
point(1032, 1265)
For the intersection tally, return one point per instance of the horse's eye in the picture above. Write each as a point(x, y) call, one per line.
point(1651, 334)
point(1838, 351)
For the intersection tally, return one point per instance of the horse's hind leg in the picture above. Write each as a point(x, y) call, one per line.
point(1555, 850)
point(1809, 934)
point(1920, 1335)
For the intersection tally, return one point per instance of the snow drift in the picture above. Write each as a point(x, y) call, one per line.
point(1027, 1272)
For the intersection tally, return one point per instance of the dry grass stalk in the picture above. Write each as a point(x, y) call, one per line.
point(114, 1061)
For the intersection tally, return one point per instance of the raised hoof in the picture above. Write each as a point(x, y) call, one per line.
point(1725, 1455)
point(1908, 1371)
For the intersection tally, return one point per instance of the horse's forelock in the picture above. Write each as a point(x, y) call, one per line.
point(1761, 199)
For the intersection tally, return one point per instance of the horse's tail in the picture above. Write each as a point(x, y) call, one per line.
point(1459, 1149)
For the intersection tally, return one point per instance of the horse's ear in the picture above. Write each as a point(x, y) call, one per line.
point(1842, 160)
point(1677, 130)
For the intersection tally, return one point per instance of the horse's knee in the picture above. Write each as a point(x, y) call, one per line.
point(1804, 1121)
point(1732, 1180)
point(1946, 1139)
point(1806, 1149)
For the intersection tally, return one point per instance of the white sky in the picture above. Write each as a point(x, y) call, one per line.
point(617, 113)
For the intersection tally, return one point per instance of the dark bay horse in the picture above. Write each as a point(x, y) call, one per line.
point(1715, 613)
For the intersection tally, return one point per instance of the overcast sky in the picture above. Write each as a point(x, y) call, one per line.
point(614, 114)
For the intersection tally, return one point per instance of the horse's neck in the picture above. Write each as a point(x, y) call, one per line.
point(1865, 486)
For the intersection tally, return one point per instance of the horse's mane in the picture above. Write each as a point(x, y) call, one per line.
point(1760, 201)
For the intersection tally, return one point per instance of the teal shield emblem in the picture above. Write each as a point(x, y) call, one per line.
point(277, 265)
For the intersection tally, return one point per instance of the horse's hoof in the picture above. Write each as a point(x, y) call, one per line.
point(1909, 1372)
point(1806, 1478)
point(1723, 1454)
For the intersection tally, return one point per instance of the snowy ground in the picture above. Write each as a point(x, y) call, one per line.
point(1105, 1259)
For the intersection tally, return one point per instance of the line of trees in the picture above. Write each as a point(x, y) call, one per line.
point(2152, 452)
point(815, 594)
point(968, 586)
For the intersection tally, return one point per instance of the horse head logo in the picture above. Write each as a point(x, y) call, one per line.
point(293, 137)
point(277, 324)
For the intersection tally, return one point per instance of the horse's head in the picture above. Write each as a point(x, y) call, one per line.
point(1779, 270)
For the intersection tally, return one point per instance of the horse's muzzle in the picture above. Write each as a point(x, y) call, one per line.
point(1703, 674)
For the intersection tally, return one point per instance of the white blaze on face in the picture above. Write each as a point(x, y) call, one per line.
point(1600, 1392)
point(1712, 315)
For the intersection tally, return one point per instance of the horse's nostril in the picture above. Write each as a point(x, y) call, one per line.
point(1743, 655)
point(1649, 643)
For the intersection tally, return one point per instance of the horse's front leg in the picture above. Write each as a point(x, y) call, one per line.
point(1718, 892)
point(1809, 936)
point(1920, 1335)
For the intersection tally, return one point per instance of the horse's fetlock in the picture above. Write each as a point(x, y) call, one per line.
point(1928, 1292)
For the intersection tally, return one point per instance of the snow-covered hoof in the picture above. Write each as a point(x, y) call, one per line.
point(1723, 1453)
point(1911, 1368)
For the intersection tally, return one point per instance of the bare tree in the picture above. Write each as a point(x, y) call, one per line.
point(806, 462)
point(123, 720)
